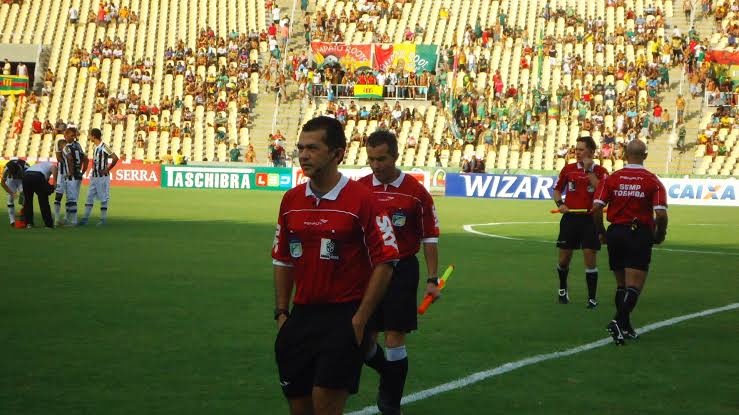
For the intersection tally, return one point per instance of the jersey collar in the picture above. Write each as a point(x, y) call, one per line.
point(634, 166)
point(582, 167)
point(395, 183)
point(332, 194)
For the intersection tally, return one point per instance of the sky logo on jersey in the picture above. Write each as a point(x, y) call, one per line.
point(497, 186)
point(386, 228)
point(705, 192)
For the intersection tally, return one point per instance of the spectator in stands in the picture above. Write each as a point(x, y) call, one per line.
point(6, 67)
point(74, 15)
point(48, 127)
point(235, 153)
point(60, 126)
point(250, 156)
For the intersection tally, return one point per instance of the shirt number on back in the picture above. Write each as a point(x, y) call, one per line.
point(386, 227)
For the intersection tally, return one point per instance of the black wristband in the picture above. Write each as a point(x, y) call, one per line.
point(281, 311)
point(434, 281)
point(559, 203)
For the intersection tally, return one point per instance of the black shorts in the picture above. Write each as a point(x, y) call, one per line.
point(629, 248)
point(577, 231)
point(398, 309)
point(317, 347)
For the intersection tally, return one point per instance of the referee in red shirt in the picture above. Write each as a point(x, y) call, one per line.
point(576, 230)
point(414, 219)
point(335, 250)
point(637, 211)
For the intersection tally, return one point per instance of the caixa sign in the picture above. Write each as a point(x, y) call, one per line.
point(701, 192)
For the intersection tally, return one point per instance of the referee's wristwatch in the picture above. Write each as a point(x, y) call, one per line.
point(434, 281)
point(281, 311)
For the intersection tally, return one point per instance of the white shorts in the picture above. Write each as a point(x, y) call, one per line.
point(72, 190)
point(60, 184)
point(15, 185)
point(99, 189)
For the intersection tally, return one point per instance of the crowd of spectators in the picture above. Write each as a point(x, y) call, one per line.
point(106, 12)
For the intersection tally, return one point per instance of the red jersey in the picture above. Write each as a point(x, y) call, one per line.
point(332, 242)
point(632, 193)
point(573, 180)
point(411, 210)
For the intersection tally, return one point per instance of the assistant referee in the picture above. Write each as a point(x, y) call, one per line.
point(335, 250)
point(414, 219)
point(637, 211)
point(578, 182)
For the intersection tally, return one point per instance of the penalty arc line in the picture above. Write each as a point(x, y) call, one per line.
point(511, 366)
point(469, 228)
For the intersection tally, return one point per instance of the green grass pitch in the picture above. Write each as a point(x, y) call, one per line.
point(168, 310)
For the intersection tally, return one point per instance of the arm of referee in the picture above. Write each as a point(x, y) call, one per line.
point(284, 283)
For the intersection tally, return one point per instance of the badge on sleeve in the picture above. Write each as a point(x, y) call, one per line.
point(329, 249)
point(296, 248)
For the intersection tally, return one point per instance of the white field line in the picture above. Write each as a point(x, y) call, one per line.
point(511, 366)
point(469, 228)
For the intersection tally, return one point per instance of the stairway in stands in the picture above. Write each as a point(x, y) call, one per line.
point(680, 163)
point(289, 114)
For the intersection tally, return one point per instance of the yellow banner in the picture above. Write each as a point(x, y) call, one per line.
point(403, 54)
point(368, 91)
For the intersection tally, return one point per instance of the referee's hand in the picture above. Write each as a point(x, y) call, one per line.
point(433, 291)
point(563, 208)
point(281, 319)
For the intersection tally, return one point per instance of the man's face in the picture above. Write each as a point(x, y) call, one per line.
point(381, 162)
point(582, 151)
point(70, 135)
point(314, 155)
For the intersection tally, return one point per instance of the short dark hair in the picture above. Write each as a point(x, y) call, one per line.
point(95, 132)
point(589, 142)
point(380, 137)
point(334, 136)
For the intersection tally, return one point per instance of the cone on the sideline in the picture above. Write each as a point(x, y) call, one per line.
point(20, 220)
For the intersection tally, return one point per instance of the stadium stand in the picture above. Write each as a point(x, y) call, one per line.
point(520, 80)
point(117, 58)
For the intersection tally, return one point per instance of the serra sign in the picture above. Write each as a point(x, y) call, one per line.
point(132, 174)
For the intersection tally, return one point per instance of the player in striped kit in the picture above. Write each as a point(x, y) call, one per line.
point(100, 178)
point(12, 182)
point(60, 178)
point(76, 164)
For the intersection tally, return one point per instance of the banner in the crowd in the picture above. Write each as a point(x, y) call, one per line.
point(499, 186)
point(13, 85)
point(357, 173)
point(723, 57)
point(232, 178)
point(383, 57)
point(701, 192)
point(132, 175)
point(368, 91)
point(406, 56)
point(349, 56)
